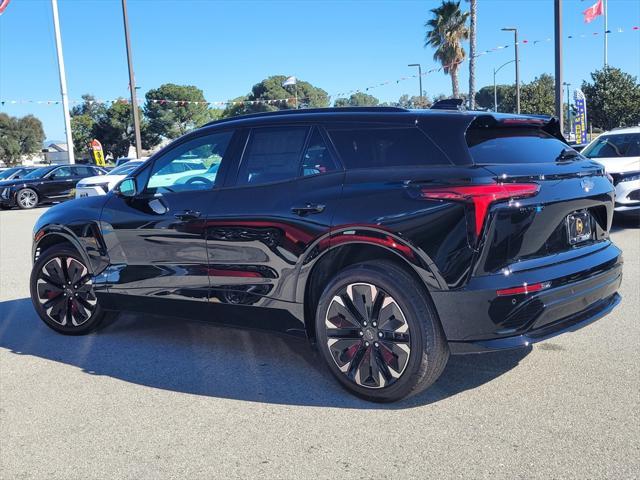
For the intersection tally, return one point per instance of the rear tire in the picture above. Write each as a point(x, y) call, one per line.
point(62, 292)
point(27, 198)
point(379, 333)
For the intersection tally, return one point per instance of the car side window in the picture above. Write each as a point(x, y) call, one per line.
point(83, 171)
point(192, 165)
point(390, 147)
point(62, 172)
point(317, 157)
point(272, 154)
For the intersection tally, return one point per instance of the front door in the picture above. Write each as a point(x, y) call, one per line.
point(59, 183)
point(155, 240)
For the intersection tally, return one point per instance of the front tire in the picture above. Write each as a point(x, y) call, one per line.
point(27, 198)
point(62, 292)
point(379, 333)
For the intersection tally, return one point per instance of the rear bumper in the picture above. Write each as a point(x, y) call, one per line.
point(582, 289)
point(569, 324)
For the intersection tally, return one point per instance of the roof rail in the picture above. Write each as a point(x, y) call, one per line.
point(448, 104)
point(300, 111)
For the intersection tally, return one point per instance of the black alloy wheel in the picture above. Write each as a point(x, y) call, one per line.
point(378, 332)
point(62, 292)
point(367, 335)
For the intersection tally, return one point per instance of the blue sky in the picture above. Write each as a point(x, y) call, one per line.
point(225, 47)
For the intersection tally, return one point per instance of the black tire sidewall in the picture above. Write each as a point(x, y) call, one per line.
point(58, 251)
point(419, 315)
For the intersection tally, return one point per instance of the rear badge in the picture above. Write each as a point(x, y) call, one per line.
point(579, 227)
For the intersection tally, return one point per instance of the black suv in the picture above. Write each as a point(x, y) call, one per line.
point(54, 183)
point(388, 237)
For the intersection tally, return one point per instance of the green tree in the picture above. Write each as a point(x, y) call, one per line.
point(537, 97)
point(405, 101)
point(269, 95)
point(19, 137)
point(358, 99)
point(445, 32)
point(173, 110)
point(115, 130)
point(613, 98)
point(82, 131)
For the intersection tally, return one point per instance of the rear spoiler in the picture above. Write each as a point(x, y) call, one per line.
point(546, 123)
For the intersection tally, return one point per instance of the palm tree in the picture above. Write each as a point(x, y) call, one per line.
point(445, 32)
point(472, 54)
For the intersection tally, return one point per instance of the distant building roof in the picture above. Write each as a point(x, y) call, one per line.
point(58, 147)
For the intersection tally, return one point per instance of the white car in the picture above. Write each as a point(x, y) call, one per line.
point(619, 152)
point(92, 186)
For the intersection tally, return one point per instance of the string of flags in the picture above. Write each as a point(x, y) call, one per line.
point(279, 101)
point(524, 42)
point(292, 100)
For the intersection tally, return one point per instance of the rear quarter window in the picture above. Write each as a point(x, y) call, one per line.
point(386, 147)
point(490, 145)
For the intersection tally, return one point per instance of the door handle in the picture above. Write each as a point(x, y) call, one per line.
point(187, 215)
point(307, 209)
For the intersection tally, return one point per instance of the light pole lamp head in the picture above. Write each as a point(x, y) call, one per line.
point(509, 29)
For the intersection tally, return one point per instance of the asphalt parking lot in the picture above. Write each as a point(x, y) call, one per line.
point(150, 397)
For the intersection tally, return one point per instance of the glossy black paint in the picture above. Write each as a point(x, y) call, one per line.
point(256, 255)
point(48, 188)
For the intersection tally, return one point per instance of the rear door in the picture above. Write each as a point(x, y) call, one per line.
point(272, 212)
point(59, 183)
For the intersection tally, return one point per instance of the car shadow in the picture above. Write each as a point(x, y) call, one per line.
point(203, 359)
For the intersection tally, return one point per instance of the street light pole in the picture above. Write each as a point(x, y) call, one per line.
point(495, 89)
point(63, 82)
point(132, 82)
point(515, 43)
point(420, 78)
point(557, 9)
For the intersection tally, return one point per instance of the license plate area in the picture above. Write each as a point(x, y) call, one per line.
point(579, 227)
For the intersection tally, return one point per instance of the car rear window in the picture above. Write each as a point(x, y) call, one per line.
point(512, 145)
point(386, 147)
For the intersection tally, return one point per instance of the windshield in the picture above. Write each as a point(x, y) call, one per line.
point(38, 172)
point(7, 173)
point(125, 169)
point(611, 146)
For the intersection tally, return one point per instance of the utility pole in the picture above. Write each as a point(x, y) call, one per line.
point(420, 79)
point(606, 35)
point(557, 10)
point(132, 82)
point(63, 82)
point(515, 43)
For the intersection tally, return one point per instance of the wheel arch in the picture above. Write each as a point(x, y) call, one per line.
point(48, 237)
point(348, 253)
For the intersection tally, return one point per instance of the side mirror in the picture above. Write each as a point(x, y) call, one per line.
point(127, 188)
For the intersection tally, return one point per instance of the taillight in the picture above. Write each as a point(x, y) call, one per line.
point(524, 289)
point(481, 196)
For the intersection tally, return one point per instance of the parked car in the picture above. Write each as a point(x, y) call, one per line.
point(14, 173)
point(390, 238)
point(103, 183)
point(122, 160)
point(619, 152)
point(49, 184)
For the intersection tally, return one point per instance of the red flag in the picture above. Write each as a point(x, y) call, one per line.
point(3, 5)
point(593, 11)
